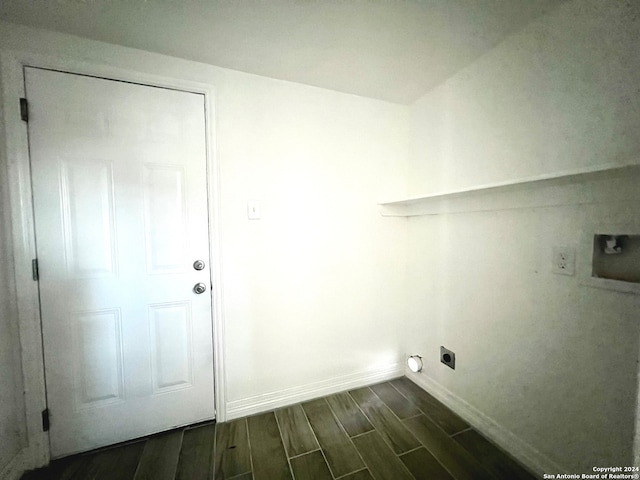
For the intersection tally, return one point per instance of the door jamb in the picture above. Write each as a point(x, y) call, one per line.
point(12, 63)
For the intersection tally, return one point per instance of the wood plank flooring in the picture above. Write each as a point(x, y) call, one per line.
point(389, 431)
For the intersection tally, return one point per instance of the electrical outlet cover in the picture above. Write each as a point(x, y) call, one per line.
point(564, 260)
point(448, 357)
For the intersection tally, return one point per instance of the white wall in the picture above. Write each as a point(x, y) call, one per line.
point(559, 95)
point(12, 412)
point(541, 358)
point(320, 276)
point(313, 290)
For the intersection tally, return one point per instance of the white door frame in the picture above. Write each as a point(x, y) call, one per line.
point(12, 65)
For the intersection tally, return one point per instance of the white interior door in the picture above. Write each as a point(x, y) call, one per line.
point(120, 205)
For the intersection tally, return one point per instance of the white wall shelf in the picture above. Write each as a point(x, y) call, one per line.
point(544, 190)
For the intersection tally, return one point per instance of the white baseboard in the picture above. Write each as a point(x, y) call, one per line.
point(522, 451)
point(290, 396)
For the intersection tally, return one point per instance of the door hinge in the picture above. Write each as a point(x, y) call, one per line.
point(45, 420)
point(34, 270)
point(24, 109)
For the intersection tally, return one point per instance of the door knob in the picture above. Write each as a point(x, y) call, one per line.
point(198, 265)
point(199, 288)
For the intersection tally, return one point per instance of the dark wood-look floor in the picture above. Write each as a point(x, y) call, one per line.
point(389, 431)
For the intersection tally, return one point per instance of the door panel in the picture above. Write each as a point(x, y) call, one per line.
point(165, 217)
point(88, 212)
point(171, 351)
point(98, 369)
point(120, 206)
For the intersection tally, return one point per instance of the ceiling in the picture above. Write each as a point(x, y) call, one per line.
point(394, 50)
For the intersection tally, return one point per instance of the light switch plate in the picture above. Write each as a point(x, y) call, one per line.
point(253, 209)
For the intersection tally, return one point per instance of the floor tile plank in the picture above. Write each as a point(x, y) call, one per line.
point(341, 455)
point(310, 466)
point(349, 415)
point(296, 432)
point(498, 463)
point(450, 454)
point(123, 465)
point(398, 404)
point(379, 458)
point(118, 463)
point(63, 469)
point(267, 450)
point(159, 459)
point(430, 406)
point(196, 456)
point(424, 466)
point(246, 476)
point(385, 422)
point(361, 475)
point(232, 457)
